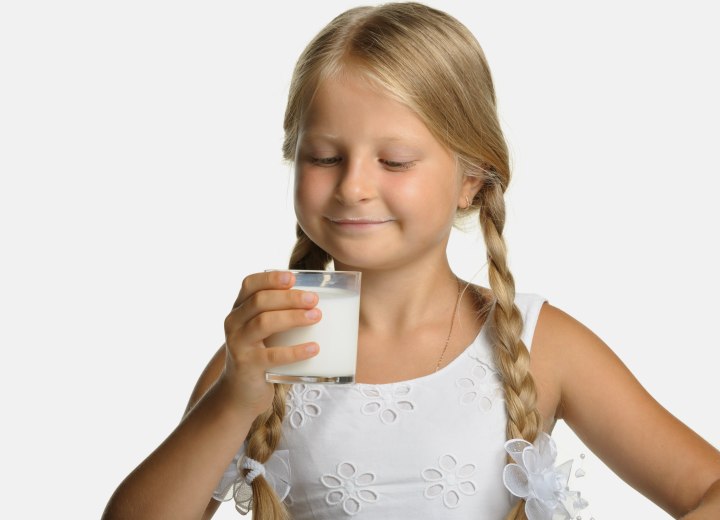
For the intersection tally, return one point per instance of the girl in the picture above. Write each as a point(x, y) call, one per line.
point(391, 124)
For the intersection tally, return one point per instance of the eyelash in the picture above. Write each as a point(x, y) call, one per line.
point(397, 165)
point(325, 161)
point(333, 161)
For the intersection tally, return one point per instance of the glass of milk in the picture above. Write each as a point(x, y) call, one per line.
point(336, 332)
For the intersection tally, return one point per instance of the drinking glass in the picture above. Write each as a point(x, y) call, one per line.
point(336, 332)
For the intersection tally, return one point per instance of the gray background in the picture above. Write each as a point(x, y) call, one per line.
point(141, 180)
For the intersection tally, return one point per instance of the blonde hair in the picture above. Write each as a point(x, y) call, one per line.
point(432, 63)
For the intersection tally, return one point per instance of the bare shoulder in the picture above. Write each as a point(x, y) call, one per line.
point(574, 359)
point(609, 409)
point(556, 335)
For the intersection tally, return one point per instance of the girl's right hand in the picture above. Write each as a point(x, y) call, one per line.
point(267, 304)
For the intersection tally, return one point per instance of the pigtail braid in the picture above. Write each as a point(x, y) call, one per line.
point(266, 430)
point(511, 354)
point(263, 438)
point(307, 254)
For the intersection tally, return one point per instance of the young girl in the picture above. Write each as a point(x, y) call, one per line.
point(392, 127)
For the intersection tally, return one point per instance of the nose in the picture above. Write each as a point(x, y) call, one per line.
point(355, 184)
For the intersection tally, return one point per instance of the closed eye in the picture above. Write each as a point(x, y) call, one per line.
point(398, 165)
point(325, 161)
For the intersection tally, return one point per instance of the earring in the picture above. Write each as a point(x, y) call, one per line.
point(467, 202)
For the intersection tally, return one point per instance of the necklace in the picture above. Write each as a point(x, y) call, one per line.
point(452, 322)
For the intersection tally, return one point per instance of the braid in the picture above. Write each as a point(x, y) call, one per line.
point(511, 354)
point(307, 254)
point(266, 430)
point(263, 438)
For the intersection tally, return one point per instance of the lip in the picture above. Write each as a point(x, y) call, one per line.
point(359, 222)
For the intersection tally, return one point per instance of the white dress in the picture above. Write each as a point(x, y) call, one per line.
point(426, 448)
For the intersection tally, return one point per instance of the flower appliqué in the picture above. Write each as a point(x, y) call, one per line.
point(349, 488)
point(483, 387)
point(235, 485)
point(535, 478)
point(303, 404)
point(387, 403)
point(449, 480)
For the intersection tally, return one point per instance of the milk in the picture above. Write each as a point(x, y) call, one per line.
point(336, 333)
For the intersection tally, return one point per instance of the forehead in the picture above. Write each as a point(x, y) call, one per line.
point(350, 104)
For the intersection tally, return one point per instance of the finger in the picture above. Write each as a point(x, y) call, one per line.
point(268, 323)
point(276, 356)
point(263, 359)
point(274, 300)
point(261, 281)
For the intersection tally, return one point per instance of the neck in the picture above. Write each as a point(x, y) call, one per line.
point(398, 299)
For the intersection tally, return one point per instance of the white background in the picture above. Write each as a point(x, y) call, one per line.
point(142, 180)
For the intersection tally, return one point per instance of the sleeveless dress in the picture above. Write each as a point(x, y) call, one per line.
point(426, 448)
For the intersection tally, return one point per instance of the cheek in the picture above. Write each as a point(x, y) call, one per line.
point(435, 199)
point(309, 193)
point(302, 204)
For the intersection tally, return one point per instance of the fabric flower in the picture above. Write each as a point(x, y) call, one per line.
point(234, 485)
point(535, 478)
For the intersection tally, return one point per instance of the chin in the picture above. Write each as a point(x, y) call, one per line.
point(366, 262)
point(353, 263)
point(362, 255)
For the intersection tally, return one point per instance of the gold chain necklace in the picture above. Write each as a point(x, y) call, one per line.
point(452, 322)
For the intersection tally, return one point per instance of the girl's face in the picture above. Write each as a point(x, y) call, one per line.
point(373, 187)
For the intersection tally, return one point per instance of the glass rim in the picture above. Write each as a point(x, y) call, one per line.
point(312, 271)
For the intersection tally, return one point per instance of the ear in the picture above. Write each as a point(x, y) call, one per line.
point(469, 188)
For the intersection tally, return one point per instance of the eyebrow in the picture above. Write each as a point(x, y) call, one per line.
point(318, 135)
point(333, 137)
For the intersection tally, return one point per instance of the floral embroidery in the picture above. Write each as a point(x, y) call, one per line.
point(349, 489)
point(303, 404)
point(535, 478)
point(483, 386)
point(387, 403)
point(449, 480)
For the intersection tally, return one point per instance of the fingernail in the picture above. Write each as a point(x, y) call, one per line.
point(312, 348)
point(312, 314)
point(285, 278)
point(308, 297)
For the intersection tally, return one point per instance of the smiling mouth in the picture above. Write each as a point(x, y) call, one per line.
point(351, 222)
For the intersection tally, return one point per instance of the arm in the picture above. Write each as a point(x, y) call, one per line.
point(708, 506)
point(177, 480)
point(621, 423)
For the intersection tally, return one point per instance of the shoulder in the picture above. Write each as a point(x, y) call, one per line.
point(563, 349)
point(584, 373)
point(564, 352)
point(557, 330)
